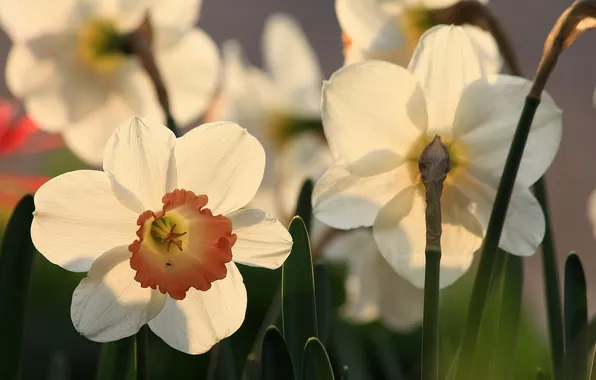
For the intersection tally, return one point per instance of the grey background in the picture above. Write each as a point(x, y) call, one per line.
point(572, 176)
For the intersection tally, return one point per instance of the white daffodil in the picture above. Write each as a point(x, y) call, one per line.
point(389, 30)
point(71, 68)
point(373, 289)
point(281, 102)
point(159, 231)
point(378, 117)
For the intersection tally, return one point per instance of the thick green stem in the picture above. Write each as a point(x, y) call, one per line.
point(430, 322)
point(550, 275)
point(481, 287)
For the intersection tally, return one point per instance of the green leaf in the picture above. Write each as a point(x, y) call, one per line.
point(316, 364)
point(59, 366)
point(347, 349)
point(509, 319)
point(480, 291)
point(323, 297)
point(576, 319)
point(16, 263)
point(276, 362)
point(221, 362)
point(304, 204)
point(117, 360)
point(386, 354)
point(299, 314)
point(142, 350)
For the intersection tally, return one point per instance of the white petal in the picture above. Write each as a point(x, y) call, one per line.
point(293, 64)
point(78, 218)
point(400, 232)
point(25, 19)
point(592, 210)
point(202, 319)
point(87, 139)
point(262, 240)
point(361, 20)
point(177, 14)
point(109, 304)
point(126, 14)
point(487, 118)
point(190, 69)
point(372, 105)
point(138, 159)
point(486, 48)
point(524, 224)
point(343, 200)
point(444, 62)
point(305, 156)
point(223, 161)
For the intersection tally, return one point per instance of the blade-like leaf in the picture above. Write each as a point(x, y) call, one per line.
point(323, 296)
point(576, 319)
point(304, 204)
point(508, 321)
point(316, 364)
point(276, 362)
point(299, 312)
point(142, 351)
point(16, 263)
point(221, 362)
point(117, 360)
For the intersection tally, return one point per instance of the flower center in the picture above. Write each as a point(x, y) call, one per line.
point(457, 154)
point(282, 127)
point(414, 21)
point(182, 246)
point(101, 47)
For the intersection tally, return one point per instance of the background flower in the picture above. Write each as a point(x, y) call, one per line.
point(75, 77)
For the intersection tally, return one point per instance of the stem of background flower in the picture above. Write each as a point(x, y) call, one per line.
point(139, 43)
point(550, 275)
point(430, 321)
point(482, 283)
point(142, 341)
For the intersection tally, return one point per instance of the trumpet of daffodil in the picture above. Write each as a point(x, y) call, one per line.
point(160, 231)
point(72, 65)
point(378, 117)
point(280, 102)
point(389, 30)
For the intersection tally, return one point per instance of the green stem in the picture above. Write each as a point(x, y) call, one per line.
point(430, 322)
point(481, 287)
point(550, 275)
point(142, 340)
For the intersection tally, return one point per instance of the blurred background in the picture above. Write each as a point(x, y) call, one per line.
point(570, 180)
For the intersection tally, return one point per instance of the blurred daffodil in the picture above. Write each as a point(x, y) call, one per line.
point(389, 30)
point(159, 232)
point(283, 101)
point(373, 289)
point(73, 67)
point(378, 117)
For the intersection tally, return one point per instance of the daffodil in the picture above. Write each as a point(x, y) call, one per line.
point(389, 30)
point(159, 231)
point(280, 102)
point(72, 67)
point(378, 117)
point(373, 289)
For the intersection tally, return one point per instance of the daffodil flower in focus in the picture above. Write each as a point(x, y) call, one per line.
point(389, 30)
point(72, 65)
point(160, 231)
point(378, 117)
